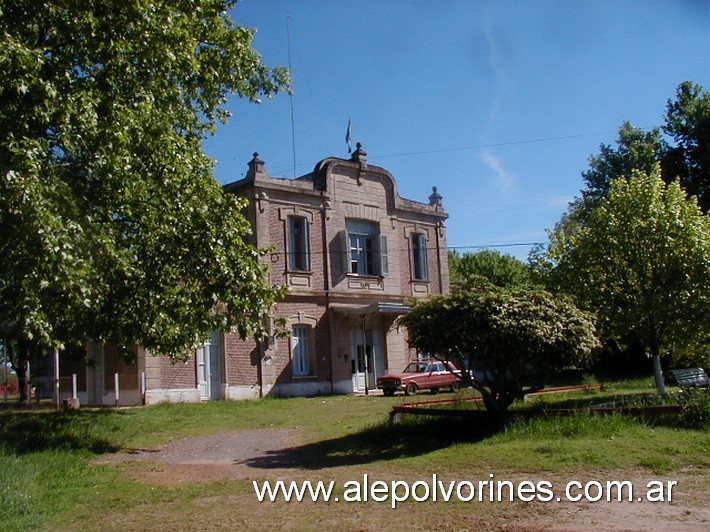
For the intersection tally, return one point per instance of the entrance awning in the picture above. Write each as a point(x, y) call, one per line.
point(379, 307)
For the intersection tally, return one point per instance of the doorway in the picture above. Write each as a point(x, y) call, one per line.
point(368, 359)
point(209, 369)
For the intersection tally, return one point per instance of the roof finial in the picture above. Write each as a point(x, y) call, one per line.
point(359, 155)
point(435, 200)
point(256, 166)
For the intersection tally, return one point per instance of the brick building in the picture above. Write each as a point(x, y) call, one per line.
point(351, 251)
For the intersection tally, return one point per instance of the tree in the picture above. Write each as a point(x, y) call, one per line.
point(642, 263)
point(113, 227)
point(688, 123)
point(499, 269)
point(510, 338)
point(636, 150)
point(684, 155)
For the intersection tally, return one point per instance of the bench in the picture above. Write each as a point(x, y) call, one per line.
point(691, 377)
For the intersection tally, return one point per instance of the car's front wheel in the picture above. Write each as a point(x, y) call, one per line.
point(411, 389)
point(455, 387)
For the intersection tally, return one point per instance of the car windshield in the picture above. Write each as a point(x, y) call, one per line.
point(414, 367)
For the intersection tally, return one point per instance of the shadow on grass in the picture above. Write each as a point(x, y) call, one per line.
point(379, 443)
point(31, 432)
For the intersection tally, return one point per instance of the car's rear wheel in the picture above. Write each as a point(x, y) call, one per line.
point(411, 389)
point(455, 387)
point(388, 392)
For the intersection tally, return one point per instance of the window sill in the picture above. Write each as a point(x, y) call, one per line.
point(300, 280)
point(365, 282)
point(365, 277)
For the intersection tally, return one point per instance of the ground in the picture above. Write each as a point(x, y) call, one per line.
point(238, 457)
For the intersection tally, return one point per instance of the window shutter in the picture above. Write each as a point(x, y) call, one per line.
point(345, 251)
point(383, 259)
point(423, 256)
point(291, 242)
point(306, 245)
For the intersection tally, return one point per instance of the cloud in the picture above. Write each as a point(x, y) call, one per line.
point(505, 179)
point(494, 53)
point(497, 54)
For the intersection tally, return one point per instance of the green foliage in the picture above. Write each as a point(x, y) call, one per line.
point(642, 263)
point(647, 264)
point(696, 408)
point(499, 269)
point(692, 353)
point(688, 123)
point(114, 229)
point(636, 150)
point(516, 336)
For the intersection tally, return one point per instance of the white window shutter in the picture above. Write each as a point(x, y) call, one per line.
point(345, 251)
point(383, 258)
point(307, 244)
point(423, 256)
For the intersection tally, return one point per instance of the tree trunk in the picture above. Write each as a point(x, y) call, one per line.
point(23, 379)
point(658, 374)
point(496, 403)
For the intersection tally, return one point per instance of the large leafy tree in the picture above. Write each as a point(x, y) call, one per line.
point(635, 149)
point(511, 339)
point(683, 154)
point(642, 263)
point(498, 268)
point(113, 227)
point(688, 123)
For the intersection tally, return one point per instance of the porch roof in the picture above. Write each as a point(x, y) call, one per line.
point(378, 307)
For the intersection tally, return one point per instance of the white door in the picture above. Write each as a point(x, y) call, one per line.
point(368, 359)
point(203, 370)
point(208, 368)
point(215, 364)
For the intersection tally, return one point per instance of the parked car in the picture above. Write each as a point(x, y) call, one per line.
point(429, 375)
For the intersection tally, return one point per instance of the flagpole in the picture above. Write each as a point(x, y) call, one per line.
point(290, 70)
point(349, 135)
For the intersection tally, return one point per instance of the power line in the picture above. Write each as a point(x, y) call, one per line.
point(391, 250)
point(499, 144)
point(486, 246)
point(483, 146)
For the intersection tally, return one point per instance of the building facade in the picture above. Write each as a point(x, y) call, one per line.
point(351, 252)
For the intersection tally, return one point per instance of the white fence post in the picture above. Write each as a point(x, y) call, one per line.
point(73, 385)
point(115, 387)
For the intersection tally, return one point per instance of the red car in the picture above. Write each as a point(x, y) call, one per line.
point(430, 375)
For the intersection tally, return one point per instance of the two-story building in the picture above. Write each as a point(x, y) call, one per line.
point(351, 251)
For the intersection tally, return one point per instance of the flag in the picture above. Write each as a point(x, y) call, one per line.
point(349, 135)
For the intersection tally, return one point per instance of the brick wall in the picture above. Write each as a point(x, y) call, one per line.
point(241, 361)
point(177, 375)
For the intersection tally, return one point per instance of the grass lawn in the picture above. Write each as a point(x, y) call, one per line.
point(51, 478)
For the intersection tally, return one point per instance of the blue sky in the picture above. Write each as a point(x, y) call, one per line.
point(498, 104)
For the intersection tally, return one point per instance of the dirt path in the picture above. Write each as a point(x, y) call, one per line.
point(205, 458)
point(233, 455)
